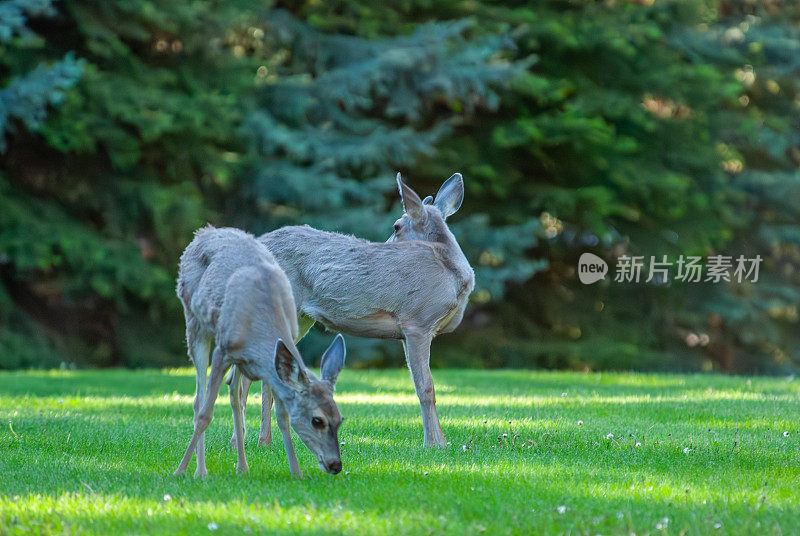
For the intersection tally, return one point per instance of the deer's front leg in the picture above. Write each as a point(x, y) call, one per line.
point(265, 437)
point(417, 347)
point(203, 419)
point(283, 424)
point(238, 420)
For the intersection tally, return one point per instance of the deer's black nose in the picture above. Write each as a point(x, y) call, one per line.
point(335, 467)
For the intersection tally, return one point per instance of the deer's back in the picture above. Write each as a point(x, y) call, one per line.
point(368, 288)
point(208, 263)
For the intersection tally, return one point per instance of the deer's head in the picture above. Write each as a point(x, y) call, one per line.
point(312, 412)
point(425, 219)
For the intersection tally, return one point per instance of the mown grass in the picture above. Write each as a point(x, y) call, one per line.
point(92, 452)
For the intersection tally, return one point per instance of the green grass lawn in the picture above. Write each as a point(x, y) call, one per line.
point(92, 452)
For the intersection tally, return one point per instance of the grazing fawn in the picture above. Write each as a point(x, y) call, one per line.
point(412, 287)
point(234, 293)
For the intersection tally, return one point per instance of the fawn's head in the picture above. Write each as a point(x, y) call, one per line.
point(425, 219)
point(312, 411)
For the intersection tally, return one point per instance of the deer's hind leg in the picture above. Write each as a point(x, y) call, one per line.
point(265, 435)
point(238, 420)
point(199, 344)
point(206, 413)
point(242, 404)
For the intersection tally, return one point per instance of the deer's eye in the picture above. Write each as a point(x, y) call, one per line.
point(317, 423)
point(397, 227)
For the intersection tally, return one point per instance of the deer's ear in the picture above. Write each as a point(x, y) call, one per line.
point(450, 195)
point(288, 367)
point(333, 360)
point(412, 204)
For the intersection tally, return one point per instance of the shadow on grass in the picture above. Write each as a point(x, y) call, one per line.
point(446, 499)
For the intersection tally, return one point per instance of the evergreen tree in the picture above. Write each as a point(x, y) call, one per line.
point(98, 201)
point(628, 136)
point(193, 113)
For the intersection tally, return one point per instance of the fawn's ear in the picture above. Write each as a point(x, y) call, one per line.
point(333, 360)
point(412, 204)
point(288, 367)
point(450, 195)
point(238, 309)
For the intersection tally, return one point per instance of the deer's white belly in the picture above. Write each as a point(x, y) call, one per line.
point(378, 325)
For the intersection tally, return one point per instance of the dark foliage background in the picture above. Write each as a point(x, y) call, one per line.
point(615, 127)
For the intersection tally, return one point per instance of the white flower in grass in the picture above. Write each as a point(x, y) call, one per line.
point(638, 444)
point(717, 525)
point(610, 436)
point(464, 448)
point(561, 509)
point(563, 395)
point(661, 525)
point(167, 497)
point(213, 526)
point(687, 450)
point(786, 433)
point(580, 423)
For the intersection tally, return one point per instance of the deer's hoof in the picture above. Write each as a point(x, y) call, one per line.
point(201, 473)
point(243, 470)
point(438, 442)
point(264, 441)
point(179, 472)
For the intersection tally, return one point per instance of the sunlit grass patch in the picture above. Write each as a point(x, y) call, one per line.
point(92, 452)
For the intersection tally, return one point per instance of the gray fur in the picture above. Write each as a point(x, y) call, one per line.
point(234, 292)
point(412, 287)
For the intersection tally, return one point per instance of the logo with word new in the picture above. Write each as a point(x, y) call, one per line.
point(591, 268)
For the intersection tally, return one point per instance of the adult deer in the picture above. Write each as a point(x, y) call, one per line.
point(233, 292)
point(411, 287)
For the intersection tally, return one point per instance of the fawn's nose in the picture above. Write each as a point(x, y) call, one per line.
point(335, 467)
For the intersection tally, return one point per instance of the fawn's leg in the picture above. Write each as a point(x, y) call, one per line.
point(265, 437)
point(238, 420)
point(198, 348)
point(305, 323)
point(218, 369)
point(243, 398)
point(283, 424)
point(417, 347)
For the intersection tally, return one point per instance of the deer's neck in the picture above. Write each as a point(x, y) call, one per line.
point(454, 259)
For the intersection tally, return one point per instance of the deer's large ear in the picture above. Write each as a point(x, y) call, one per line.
point(412, 204)
point(450, 195)
point(333, 360)
point(288, 367)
